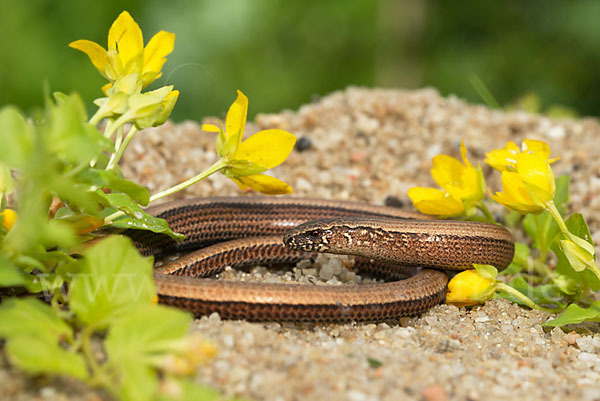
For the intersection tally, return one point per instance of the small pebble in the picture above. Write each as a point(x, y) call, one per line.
point(434, 392)
point(394, 201)
point(303, 143)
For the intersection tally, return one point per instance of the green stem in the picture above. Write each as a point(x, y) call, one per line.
point(119, 138)
point(76, 169)
point(219, 165)
point(532, 278)
point(486, 212)
point(111, 127)
point(551, 208)
point(540, 267)
point(96, 117)
point(116, 157)
point(543, 248)
point(483, 92)
point(521, 297)
point(116, 124)
point(97, 374)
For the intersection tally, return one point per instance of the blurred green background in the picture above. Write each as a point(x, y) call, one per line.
point(285, 53)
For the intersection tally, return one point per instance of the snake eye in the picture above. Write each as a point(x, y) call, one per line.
point(314, 234)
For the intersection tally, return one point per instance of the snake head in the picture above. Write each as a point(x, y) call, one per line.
point(310, 236)
point(332, 235)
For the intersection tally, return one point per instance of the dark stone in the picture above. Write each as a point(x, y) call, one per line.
point(303, 144)
point(393, 201)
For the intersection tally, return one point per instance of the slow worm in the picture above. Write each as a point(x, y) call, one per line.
point(244, 231)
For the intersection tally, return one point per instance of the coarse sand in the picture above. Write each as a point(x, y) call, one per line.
point(372, 145)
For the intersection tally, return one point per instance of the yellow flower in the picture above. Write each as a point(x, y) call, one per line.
point(463, 187)
point(530, 187)
point(505, 159)
point(470, 288)
point(247, 160)
point(8, 218)
point(126, 54)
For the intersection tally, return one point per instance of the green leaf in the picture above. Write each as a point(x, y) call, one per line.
point(137, 382)
point(542, 230)
point(135, 341)
point(576, 225)
point(112, 277)
point(374, 363)
point(145, 221)
point(561, 196)
point(7, 183)
point(520, 260)
point(10, 275)
point(123, 202)
point(486, 271)
point(565, 284)
point(135, 191)
point(576, 314)
point(512, 218)
point(40, 355)
point(109, 179)
point(136, 335)
point(77, 196)
point(137, 218)
point(59, 233)
point(66, 132)
point(24, 317)
point(16, 137)
point(576, 255)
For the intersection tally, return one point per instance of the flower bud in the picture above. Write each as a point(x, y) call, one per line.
point(469, 288)
point(8, 218)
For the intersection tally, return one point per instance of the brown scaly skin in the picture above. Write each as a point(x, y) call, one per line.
point(372, 232)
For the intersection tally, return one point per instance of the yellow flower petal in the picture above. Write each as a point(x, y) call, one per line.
point(515, 195)
point(461, 181)
point(534, 146)
point(125, 37)
point(436, 202)
point(210, 128)
point(236, 117)
point(503, 159)
point(268, 148)
point(155, 55)
point(535, 170)
point(469, 288)
point(264, 184)
point(463, 153)
point(446, 171)
point(473, 184)
point(229, 139)
point(95, 52)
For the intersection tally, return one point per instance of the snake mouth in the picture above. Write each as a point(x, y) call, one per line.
point(309, 236)
point(303, 241)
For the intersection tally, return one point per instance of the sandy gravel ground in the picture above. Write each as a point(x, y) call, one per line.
point(372, 145)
